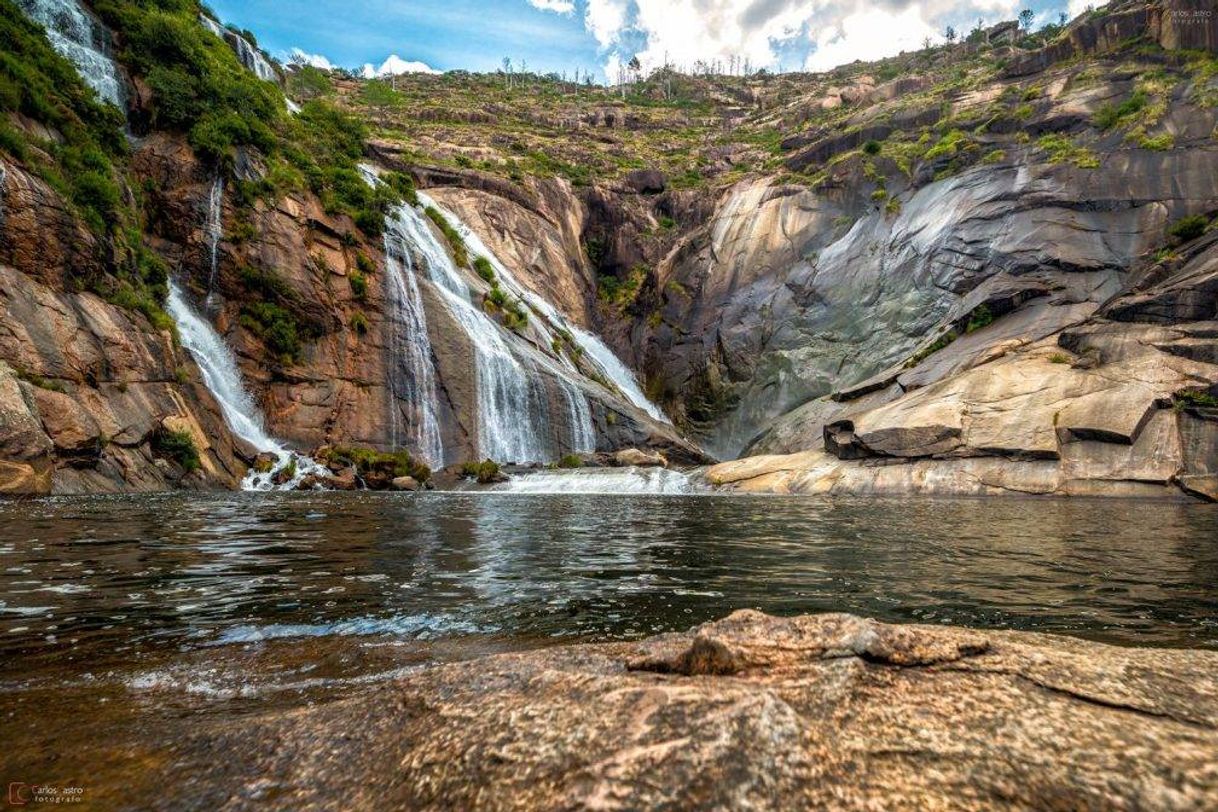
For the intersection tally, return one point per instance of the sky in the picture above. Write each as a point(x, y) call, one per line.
point(565, 36)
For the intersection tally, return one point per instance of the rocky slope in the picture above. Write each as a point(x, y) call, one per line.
point(940, 267)
point(94, 381)
point(964, 270)
point(750, 712)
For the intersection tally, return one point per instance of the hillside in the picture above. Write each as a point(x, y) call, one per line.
point(983, 267)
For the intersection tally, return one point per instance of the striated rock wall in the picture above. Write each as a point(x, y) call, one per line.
point(88, 385)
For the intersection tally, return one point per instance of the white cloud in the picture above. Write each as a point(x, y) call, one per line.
point(605, 19)
point(687, 31)
point(869, 35)
point(1077, 7)
point(396, 66)
point(301, 57)
point(557, 6)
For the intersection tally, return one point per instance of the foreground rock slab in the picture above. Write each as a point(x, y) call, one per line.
point(752, 712)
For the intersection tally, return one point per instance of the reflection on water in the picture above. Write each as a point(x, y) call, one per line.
point(108, 577)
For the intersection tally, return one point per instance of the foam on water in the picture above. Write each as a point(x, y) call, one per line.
point(604, 481)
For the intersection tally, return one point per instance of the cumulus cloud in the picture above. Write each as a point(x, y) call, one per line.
point(557, 6)
point(828, 32)
point(868, 35)
point(1077, 7)
point(302, 57)
point(396, 66)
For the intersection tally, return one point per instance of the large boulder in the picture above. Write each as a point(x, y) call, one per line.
point(750, 712)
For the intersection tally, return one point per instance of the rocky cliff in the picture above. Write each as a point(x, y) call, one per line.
point(980, 268)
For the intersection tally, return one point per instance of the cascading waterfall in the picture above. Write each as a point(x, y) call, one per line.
point(250, 56)
point(412, 373)
point(511, 411)
point(83, 41)
point(223, 380)
point(610, 365)
point(214, 232)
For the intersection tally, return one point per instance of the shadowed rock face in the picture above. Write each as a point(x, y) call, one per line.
point(86, 385)
point(751, 712)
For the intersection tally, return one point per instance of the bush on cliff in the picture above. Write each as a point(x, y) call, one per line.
point(1188, 228)
point(455, 241)
point(177, 446)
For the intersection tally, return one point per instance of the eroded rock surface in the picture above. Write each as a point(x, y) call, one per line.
point(751, 712)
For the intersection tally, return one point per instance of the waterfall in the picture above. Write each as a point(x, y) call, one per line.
point(83, 41)
point(616, 372)
point(610, 366)
point(250, 56)
point(509, 413)
point(223, 380)
point(214, 231)
point(412, 373)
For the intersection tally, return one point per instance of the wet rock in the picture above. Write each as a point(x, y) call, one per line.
point(637, 458)
point(405, 483)
point(754, 712)
point(264, 462)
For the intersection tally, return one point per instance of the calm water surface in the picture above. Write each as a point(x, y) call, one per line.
point(121, 576)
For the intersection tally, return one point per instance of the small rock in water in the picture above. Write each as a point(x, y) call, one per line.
point(405, 483)
point(264, 462)
point(633, 457)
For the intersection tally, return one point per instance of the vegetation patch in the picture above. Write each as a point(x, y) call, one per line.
point(1060, 149)
point(485, 472)
point(370, 463)
point(456, 242)
point(482, 266)
point(1188, 228)
point(177, 446)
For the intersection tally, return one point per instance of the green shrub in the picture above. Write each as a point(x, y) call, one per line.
point(359, 323)
point(177, 446)
point(455, 241)
point(359, 284)
point(483, 267)
point(1188, 228)
point(485, 472)
point(1111, 115)
point(365, 265)
point(981, 317)
point(276, 327)
point(872, 147)
point(366, 461)
point(948, 146)
point(571, 461)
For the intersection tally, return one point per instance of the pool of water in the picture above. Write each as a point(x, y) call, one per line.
point(129, 624)
point(120, 576)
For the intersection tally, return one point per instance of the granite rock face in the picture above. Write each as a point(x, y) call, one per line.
point(751, 712)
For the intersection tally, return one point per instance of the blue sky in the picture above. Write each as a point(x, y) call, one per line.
point(565, 35)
